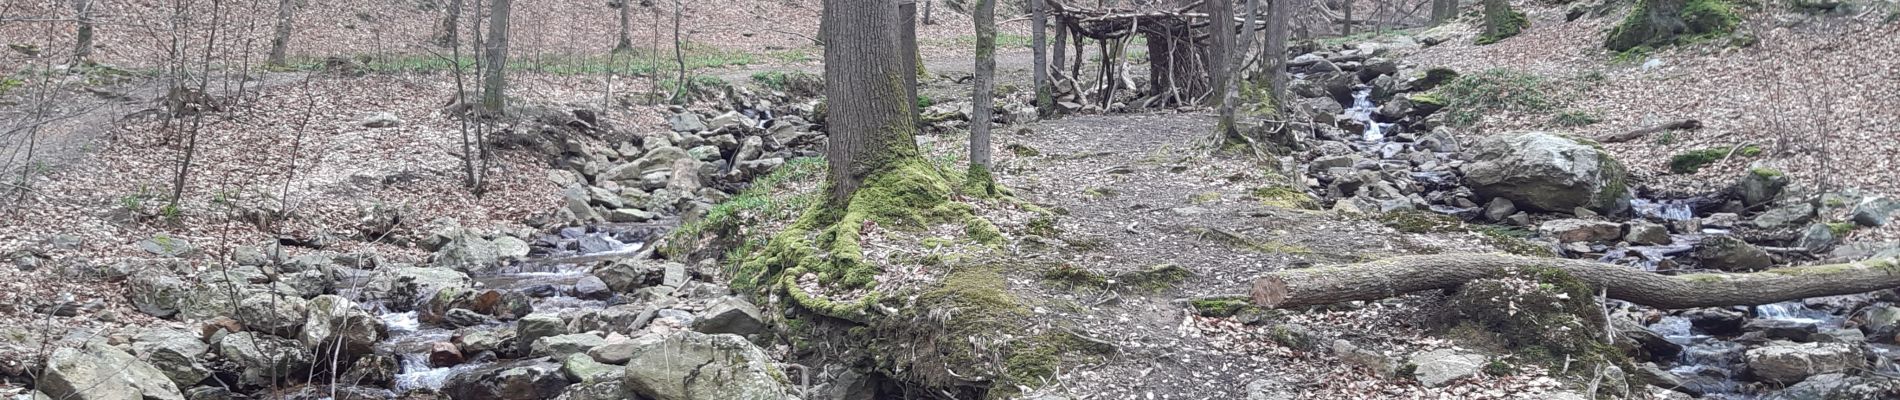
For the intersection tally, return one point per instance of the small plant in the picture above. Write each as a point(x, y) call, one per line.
point(1666, 138)
point(924, 101)
point(1575, 118)
point(171, 212)
point(8, 83)
point(1692, 161)
point(1469, 97)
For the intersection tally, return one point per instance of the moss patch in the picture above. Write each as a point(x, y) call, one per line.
point(1282, 196)
point(1657, 23)
point(1501, 23)
point(1692, 161)
point(1514, 241)
point(1415, 221)
point(1542, 315)
point(1221, 308)
point(1470, 97)
point(764, 203)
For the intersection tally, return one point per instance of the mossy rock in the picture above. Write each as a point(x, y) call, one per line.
point(1504, 25)
point(1541, 315)
point(1415, 221)
point(1286, 197)
point(1657, 23)
point(1692, 161)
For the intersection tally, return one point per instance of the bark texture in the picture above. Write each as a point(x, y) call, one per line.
point(625, 44)
point(982, 98)
point(1279, 16)
point(867, 114)
point(495, 81)
point(1038, 42)
point(1400, 275)
point(1230, 99)
point(280, 35)
point(907, 43)
point(1220, 44)
point(82, 39)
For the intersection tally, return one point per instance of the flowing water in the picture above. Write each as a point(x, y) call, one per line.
point(1362, 111)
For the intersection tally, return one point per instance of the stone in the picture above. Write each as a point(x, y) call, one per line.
point(174, 353)
point(582, 368)
point(706, 153)
point(265, 360)
point(1437, 368)
point(1874, 211)
point(627, 275)
point(1646, 233)
point(563, 345)
point(402, 287)
point(1840, 335)
point(1883, 318)
point(673, 274)
point(510, 247)
point(101, 372)
point(272, 313)
point(592, 288)
point(1837, 386)
point(167, 246)
point(630, 215)
point(1729, 253)
point(1722, 220)
point(470, 253)
point(157, 294)
point(1580, 230)
point(1785, 216)
point(1263, 389)
point(659, 160)
point(533, 327)
point(730, 315)
point(695, 366)
point(1817, 237)
point(1547, 172)
point(380, 120)
point(1498, 209)
point(616, 353)
point(508, 381)
point(1788, 363)
point(578, 204)
point(1787, 329)
point(462, 317)
point(1639, 341)
point(1760, 186)
point(335, 325)
point(499, 339)
point(445, 354)
point(685, 122)
point(1341, 161)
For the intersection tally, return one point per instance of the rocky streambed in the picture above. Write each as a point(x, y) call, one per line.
point(1381, 147)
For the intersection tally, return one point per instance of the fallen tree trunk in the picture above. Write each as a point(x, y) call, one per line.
point(1400, 275)
point(1677, 125)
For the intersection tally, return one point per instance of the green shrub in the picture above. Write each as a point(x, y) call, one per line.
point(1692, 161)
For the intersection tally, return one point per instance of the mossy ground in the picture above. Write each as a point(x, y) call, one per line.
point(1657, 23)
point(1537, 315)
point(1690, 162)
point(1469, 97)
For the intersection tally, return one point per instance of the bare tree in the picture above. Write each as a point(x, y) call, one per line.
point(982, 98)
point(1220, 47)
point(626, 34)
point(679, 51)
point(1345, 25)
point(1274, 55)
point(1443, 10)
point(1038, 40)
point(1227, 130)
point(82, 39)
point(494, 81)
point(280, 37)
point(870, 126)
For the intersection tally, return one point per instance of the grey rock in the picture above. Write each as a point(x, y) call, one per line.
point(102, 372)
point(613, 353)
point(335, 325)
point(578, 204)
point(592, 288)
point(1760, 188)
point(685, 122)
point(1784, 216)
point(1546, 172)
point(1729, 253)
point(272, 313)
point(536, 326)
point(658, 160)
point(167, 246)
point(156, 294)
point(470, 253)
point(1437, 368)
point(174, 353)
point(627, 275)
point(508, 381)
point(1580, 230)
point(1837, 386)
point(264, 360)
point(726, 367)
point(380, 120)
point(579, 367)
point(1817, 237)
point(1788, 363)
point(1263, 389)
point(1875, 211)
point(630, 215)
point(399, 286)
point(1647, 234)
point(510, 247)
point(1722, 220)
point(563, 345)
point(730, 315)
point(462, 317)
point(612, 389)
point(1796, 330)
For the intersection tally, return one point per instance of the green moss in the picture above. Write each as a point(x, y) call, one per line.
point(1500, 26)
point(1841, 229)
point(1542, 314)
point(1427, 98)
point(1154, 279)
point(1204, 197)
point(1221, 308)
point(1043, 225)
point(1765, 172)
point(1575, 118)
point(1750, 151)
point(1022, 150)
point(1415, 221)
point(1472, 96)
point(1692, 161)
point(1286, 197)
point(1033, 363)
point(1654, 24)
point(1514, 241)
point(1073, 276)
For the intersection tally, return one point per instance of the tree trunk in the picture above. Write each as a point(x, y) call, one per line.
point(626, 27)
point(1500, 21)
point(867, 115)
point(494, 82)
point(982, 98)
point(679, 51)
point(82, 46)
point(1220, 45)
point(1038, 40)
point(1684, 124)
point(1274, 57)
point(907, 45)
point(451, 24)
point(927, 20)
point(280, 37)
point(1058, 51)
point(1400, 275)
point(1345, 27)
point(1443, 10)
point(1227, 129)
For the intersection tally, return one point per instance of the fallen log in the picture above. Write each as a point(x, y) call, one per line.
point(1678, 125)
point(1400, 275)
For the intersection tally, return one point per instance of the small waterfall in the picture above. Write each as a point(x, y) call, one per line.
point(1667, 210)
point(1787, 311)
point(1362, 110)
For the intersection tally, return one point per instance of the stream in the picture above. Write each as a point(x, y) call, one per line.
point(1712, 362)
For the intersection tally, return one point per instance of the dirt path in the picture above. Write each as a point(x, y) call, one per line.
point(1139, 193)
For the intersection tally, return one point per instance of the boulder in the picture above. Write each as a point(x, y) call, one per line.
point(1580, 230)
point(1645, 233)
point(627, 275)
point(1437, 368)
point(1760, 186)
point(730, 315)
point(469, 253)
point(157, 294)
point(582, 368)
point(1785, 216)
point(445, 354)
point(1788, 363)
point(335, 325)
point(685, 122)
point(616, 353)
point(695, 366)
point(101, 372)
point(272, 313)
point(1547, 172)
point(508, 381)
point(166, 246)
point(175, 353)
point(562, 345)
point(1874, 211)
point(592, 288)
point(1729, 253)
point(402, 287)
point(380, 120)
point(1836, 386)
point(264, 360)
point(658, 160)
point(533, 327)
point(1499, 209)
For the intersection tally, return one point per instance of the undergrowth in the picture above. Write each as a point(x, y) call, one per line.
point(1472, 96)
